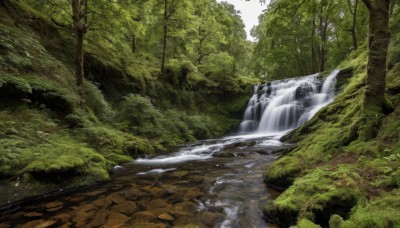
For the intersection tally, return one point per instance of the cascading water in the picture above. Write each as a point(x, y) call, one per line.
point(286, 104)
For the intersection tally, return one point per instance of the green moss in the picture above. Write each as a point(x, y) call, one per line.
point(112, 141)
point(383, 211)
point(305, 223)
point(320, 190)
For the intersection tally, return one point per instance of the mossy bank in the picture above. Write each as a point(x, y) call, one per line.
point(332, 177)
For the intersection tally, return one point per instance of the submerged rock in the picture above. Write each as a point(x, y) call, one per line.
point(63, 218)
point(144, 216)
point(33, 214)
point(166, 217)
point(116, 198)
point(54, 206)
point(38, 224)
point(116, 219)
point(100, 218)
point(127, 208)
point(102, 203)
point(211, 218)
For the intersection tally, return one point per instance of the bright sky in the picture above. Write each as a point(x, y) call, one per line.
point(249, 10)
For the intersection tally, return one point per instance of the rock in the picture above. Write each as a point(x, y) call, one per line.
point(197, 179)
point(193, 195)
point(33, 214)
point(100, 218)
point(210, 218)
point(144, 216)
point(95, 193)
point(116, 219)
point(158, 206)
point(123, 179)
point(179, 174)
point(67, 225)
point(169, 189)
point(166, 217)
point(54, 206)
point(116, 198)
point(224, 155)
point(149, 225)
point(185, 206)
point(127, 208)
point(158, 203)
point(75, 198)
point(38, 224)
point(117, 187)
point(63, 218)
point(156, 192)
point(182, 183)
point(83, 213)
point(187, 222)
point(85, 208)
point(102, 203)
point(134, 193)
point(3, 225)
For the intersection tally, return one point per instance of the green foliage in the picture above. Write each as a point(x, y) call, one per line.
point(140, 116)
point(294, 35)
point(95, 100)
point(305, 223)
point(112, 141)
point(383, 211)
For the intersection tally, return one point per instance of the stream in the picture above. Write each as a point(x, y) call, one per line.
point(212, 183)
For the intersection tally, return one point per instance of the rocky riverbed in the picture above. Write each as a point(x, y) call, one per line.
point(224, 190)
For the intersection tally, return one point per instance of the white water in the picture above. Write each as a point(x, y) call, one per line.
point(281, 106)
point(191, 153)
point(286, 104)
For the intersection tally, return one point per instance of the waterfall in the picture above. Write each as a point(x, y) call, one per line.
point(286, 104)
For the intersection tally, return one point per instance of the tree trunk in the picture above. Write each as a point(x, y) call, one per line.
point(322, 50)
point(353, 29)
point(374, 95)
point(165, 35)
point(80, 28)
point(313, 42)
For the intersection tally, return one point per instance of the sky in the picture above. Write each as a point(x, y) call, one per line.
point(249, 10)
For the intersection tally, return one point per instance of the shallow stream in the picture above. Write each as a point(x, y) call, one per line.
point(213, 183)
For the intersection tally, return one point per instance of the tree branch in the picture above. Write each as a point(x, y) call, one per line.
point(297, 8)
point(59, 6)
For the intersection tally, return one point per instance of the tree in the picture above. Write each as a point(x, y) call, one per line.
point(353, 5)
point(374, 95)
point(79, 17)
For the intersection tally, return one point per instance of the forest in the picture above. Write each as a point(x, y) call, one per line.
point(163, 113)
